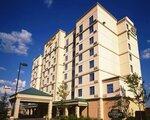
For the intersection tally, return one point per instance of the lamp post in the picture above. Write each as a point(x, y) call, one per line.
point(21, 64)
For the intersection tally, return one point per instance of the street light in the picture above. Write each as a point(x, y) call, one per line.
point(21, 64)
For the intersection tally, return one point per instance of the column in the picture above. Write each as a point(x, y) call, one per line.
point(77, 111)
point(49, 110)
point(16, 108)
point(66, 111)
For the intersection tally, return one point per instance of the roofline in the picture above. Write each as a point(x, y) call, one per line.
point(127, 19)
point(92, 8)
point(37, 57)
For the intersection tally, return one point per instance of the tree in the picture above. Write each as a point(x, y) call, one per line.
point(3, 107)
point(63, 93)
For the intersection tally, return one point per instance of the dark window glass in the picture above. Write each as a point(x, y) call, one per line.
point(80, 57)
point(91, 19)
point(80, 47)
point(131, 67)
point(91, 63)
point(91, 51)
point(81, 36)
point(80, 68)
point(92, 76)
point(80, 80)
point(91, 29)
point(80, 28)
point(79, 92)
point(92, 90)
point(91, 40)
point(110, 88)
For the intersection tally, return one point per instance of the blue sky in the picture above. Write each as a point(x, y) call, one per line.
point(25, 25)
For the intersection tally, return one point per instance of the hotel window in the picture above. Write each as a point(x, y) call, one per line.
point(66, 66)
point(53, 87)
point(92, 90)
point(65, 76)
point(80, 47)
point(91, 29)
point(131, 68)
point(128, 35)
point(130, 57)
point(129, 46)
point(91, 40)
point(91, 51)
point(54, 68)
point(47, 80)
point(80, 80)
point(91, 63)
point(79, 92)
point(110, 88)
point(47, 89)
point(53, 77)
point(80, 28)
point(81, 36)
point(54, 60)
point(91, 19)
point(66, 58)
point(55, 44)
point(66, 49)
point(80, 68)
point(67, 42)
point(92, 76)
point(80, 57)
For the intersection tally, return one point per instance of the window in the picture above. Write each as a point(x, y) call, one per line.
point(92, 76)
point(129, 46)
point(91, 40)
point(47, 89)
point(127, 26)
point(91, 51)
point(81, 36)
point(52, 86)
point(110, 88)
point(92, 90)
point(66, 58)
point(80, 28)
point(80, 80)
point(91, 63)
point(91, 29)
point(54, 68)
point(65, 76)
point(66, 66)
point(79, 92)
point(130, 57)
point(80, 57)
point(80, 68)
point(128, 35)
point(66, 49)
point(131, 68)
point(91, 19)
point(47, 80)
point(67, 42)
point(80, 47)
point(53, 77)
point(54, 60)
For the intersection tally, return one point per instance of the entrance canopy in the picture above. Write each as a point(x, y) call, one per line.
point(30, 95)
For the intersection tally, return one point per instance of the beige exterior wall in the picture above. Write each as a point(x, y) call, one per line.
point(112, 57)
point(36, 72)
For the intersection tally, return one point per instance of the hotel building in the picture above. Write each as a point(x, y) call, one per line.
point(93, 59)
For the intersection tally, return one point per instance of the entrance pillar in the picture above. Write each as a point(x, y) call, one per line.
point(77, 111)
point(49, 110)
point(16, 108)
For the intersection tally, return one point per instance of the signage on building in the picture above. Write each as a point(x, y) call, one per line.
point(116, 114)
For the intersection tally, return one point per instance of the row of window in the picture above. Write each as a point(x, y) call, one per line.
point(91, 91)
point(91, 77)
point(91, 65)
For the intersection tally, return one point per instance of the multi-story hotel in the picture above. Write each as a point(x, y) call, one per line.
point(93, 59)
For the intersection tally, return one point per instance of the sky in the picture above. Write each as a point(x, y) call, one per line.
point(25, 26)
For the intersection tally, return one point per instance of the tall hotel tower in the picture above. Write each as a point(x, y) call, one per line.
point(93, 59)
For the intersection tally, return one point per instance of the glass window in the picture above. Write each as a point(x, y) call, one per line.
point(80, 28)
point(81, 36)
point(53, 77)
point(80, 68)
point(80, 80)
point(47, 80)
point(67, 42)
point(92, 90)
point(91, 19)
point(65, 76)
point(91, 51)
point(92, 76)
point(80, 57)
point(79, 92)
point(130, 57)
point(91, 63)
point(80, 47)
point(66, 58)
point(110, 88)
point(66, 49)
point(129, 46)
point(91, 29)
point(131, 67)
point(66, 66)
point(91, 40)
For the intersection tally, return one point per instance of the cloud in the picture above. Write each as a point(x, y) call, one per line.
point(2, 69)
point(146, 53)
point(48, 2)
point(10, 86)
point(15, 42)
